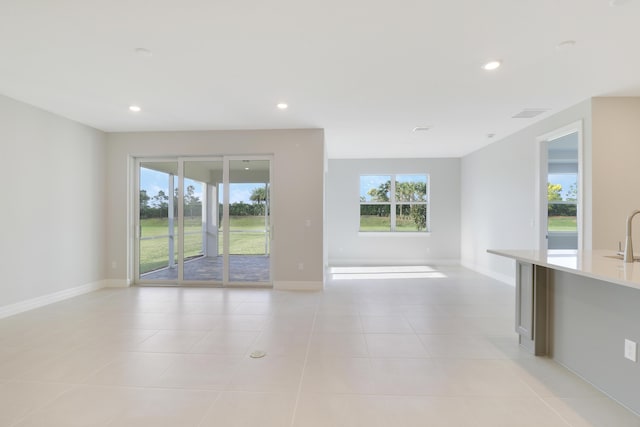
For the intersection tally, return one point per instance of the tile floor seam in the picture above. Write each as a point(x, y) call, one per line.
point(544, 402)
point(417, 334)
point(148, 338)
point(554, 410)
point(44, 405)
point(209, 408)
point(304, 367)
point(86, 377)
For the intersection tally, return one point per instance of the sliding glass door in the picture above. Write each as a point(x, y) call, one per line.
point(201, 212)
point(157, 227)
point(203, 221)
point(249, 220)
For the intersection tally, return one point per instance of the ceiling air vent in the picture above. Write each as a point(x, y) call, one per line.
point(529, 113)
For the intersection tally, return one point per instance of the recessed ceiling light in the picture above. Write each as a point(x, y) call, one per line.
point(567, 44)
point(246, 169)
point(421, 128)
point(142, 51)
point(135, 108)
point(282, 106)
point(492, 65)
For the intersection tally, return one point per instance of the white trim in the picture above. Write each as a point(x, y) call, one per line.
point(41, 301)
point(394, 233)
point(294, 285)
point(509, 280)
point(366, 262)
point(117, 283)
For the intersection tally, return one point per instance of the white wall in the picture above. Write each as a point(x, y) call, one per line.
point(616, 170)
point(52, 216)
point(297, 193)
point(498, 208)
point(348, 247)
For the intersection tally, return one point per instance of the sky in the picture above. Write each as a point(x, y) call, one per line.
point(563, 179)
point(153, 181)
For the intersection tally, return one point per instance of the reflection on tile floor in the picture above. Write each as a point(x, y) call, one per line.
point(414, 352)
point(242, 268)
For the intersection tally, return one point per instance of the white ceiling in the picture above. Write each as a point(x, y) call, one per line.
point(367, 71)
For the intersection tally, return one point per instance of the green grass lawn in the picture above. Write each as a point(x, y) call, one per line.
point(562, 223)
point(382, 223)
point(154, 253)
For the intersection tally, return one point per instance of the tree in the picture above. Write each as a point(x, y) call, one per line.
point(161, 204)
point(419, 216)
point(191, 201)
point(572, 194)
point(258, 197)
point(554, 192)
point(144, 204)
point(380, 194)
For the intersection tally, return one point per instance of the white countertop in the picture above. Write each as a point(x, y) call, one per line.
point(595, 264)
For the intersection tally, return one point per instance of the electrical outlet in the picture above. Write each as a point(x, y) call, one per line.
point(630, 350)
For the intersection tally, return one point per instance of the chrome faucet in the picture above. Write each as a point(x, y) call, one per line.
point(628, 245)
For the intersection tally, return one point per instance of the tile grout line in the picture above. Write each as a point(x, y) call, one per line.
point(304, 367)
point(44, 405)
point(544, 402)
point(209, 408)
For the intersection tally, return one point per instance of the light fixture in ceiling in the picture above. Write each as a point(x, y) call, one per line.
point(492, 65)
point(135, 108)
point(529, 113)
point(567, 44)
point(141, 51)
point(246, 169)
point(421, 128)
point(282, 106)
point(615, 3)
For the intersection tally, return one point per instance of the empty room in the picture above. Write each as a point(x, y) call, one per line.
point(320, 214)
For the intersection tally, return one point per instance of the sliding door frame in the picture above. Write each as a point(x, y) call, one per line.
point(135, 215)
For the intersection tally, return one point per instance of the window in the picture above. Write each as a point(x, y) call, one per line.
point(394, 203)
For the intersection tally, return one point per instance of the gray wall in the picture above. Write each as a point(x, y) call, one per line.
point(499, 184)
point(498, 208)
point(53, 210)
point(347, 246)
point(590, 320)
point(297, 193)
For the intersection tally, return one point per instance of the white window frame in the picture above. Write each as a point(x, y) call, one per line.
point(393, 203)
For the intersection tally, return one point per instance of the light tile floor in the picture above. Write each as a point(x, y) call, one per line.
point(414, 352)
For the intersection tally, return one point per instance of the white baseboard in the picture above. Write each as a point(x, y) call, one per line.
point(509, 280)
point(298, 285)
point(41, 301)
point(117, 283)
point(368, 262)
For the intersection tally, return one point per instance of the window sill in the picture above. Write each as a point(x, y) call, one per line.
point(394, 233)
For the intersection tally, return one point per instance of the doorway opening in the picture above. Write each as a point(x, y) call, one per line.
point(561, 189)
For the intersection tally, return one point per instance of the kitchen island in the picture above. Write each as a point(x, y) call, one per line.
point(580, 308)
